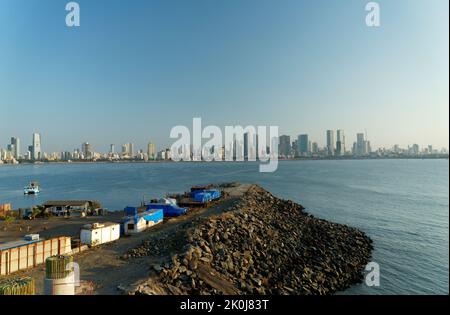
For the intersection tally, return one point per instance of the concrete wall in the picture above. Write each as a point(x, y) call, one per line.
point(31, 255)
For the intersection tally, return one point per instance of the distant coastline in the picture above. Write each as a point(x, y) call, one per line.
point(343, 158)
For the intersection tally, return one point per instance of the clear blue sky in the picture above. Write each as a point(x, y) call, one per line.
point(134, 69)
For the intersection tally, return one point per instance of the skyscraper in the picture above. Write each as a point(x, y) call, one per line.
point(151, 150)
point(112, 149)
point(246, 146)
point(303, 145)
point(330, 142)
point(36, 154)
point(360, 144)
point(284, 146)
point(131, 149)
point(15, 146)
point(86, 148)
point(340, 142)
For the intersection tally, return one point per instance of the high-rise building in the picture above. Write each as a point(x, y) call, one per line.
point(246, 140)
point(295, 148)
point(330, 142)
point(303, 145)
point(340, 142)
point(250, 146)
point(87, 151)
point(36, 153)
point(284, 146)
point(112, 148)
point(15, 147)
point(151, 150)
point(362, 145)
point(131, 149)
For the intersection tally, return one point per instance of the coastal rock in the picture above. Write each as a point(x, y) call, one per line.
point(263, 245)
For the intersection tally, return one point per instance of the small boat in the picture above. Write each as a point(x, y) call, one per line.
point(31, 189)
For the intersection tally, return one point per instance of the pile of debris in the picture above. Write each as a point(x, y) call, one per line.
point(263, 245)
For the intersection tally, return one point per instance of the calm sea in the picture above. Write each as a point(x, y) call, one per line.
point(403, 205)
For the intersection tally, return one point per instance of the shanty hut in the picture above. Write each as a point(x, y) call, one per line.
point(99, 233)
point(140, 222)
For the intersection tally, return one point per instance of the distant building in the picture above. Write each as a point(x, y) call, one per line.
point(87, 151)
point(250, 146)
point(15, 147)
point(124, 149)
point(295, 148)
point(161, 155)
point(303, 145)
point(112, 149)
point(151, 151)
point(360, 144)
point(330, 142)
point(36, 152)
point(131, 149)
point(340, 142)
point(284, 146)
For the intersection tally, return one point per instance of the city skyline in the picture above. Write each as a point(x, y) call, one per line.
point(337, 145)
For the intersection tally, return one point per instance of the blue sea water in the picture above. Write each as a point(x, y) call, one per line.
point(403, 205)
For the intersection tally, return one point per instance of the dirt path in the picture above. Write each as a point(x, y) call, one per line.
point(106, 269)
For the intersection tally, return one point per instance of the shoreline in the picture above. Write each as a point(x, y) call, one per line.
point(156, 260)
point(263, 245)
point(443, 157)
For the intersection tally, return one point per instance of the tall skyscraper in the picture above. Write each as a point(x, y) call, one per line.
point(360, 144)
point(250, 146)
point(15, 147)
point(330, 142)
point(36, 154)
point(151, 150)
point(284, 146)
point(86, 148)
point(303, 145)
point(340, 142)
point(131, 149)
point(112, 148)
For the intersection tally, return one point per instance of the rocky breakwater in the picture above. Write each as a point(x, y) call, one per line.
point(263, 245)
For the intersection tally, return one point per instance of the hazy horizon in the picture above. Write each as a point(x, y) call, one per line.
point(133, 70)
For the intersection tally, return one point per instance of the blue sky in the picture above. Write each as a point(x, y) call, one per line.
point(134, 69)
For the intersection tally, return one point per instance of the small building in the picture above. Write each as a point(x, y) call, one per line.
point(142, 221)
point(68, 207)
point(99, 233)
point(5, 209)
point(30, 252)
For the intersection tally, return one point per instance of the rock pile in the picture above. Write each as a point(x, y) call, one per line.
point(264, 245)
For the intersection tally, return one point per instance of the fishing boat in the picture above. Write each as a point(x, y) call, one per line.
point(31, 189)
